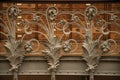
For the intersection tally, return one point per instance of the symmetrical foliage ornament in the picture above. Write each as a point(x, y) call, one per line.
point(93, 49)
point(15, 49)
point(53, 55)
point(54, 45)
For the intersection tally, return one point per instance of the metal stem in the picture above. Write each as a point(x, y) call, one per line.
point(53, 75)
point(91, 77)
point(15, 75)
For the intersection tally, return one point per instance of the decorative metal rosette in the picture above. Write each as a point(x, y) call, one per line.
point(36, 18)
point(91, 12)
point(105, 47)
point(67, 46)
point(52, 13)
point(28, 47)
point(13, 11)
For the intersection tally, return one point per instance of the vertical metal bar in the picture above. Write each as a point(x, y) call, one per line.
point(91, 77)
point(53, 75)
point(15, 75)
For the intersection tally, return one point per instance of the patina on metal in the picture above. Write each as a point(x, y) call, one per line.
point(53, 44)
point(92, 49)
point(15, 48)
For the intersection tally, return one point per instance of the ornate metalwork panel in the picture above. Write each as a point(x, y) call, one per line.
point(48, 21)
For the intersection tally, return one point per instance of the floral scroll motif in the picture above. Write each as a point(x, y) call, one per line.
point(15, 48)
point(54, 45)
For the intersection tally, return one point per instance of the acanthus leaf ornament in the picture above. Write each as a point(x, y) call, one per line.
point(53, 44)
point(92, 49)
point(53, 55)
point(15, 48)
point(15, 56)
point(91, 56)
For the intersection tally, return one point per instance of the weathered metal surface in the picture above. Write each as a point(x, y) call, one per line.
point(109, 66)
point(14, 48)
point(92, 48)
